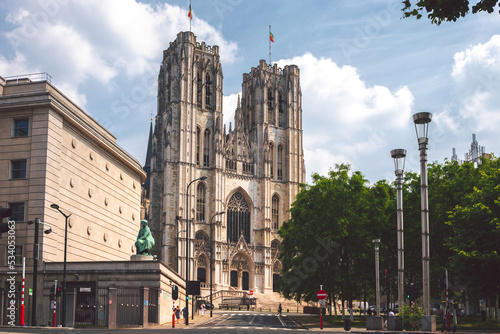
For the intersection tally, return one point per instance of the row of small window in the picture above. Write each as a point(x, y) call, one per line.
point(18, 169)
point(17, 212)
point(20, 127)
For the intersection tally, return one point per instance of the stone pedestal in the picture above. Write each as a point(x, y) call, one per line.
point(429, 323)
point(374, 323)
point(394, 323)
point(141, 258)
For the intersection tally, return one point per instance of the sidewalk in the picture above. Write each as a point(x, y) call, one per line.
point(181, 323)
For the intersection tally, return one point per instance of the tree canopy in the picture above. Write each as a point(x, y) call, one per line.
point(328, 239)
point(446, 10)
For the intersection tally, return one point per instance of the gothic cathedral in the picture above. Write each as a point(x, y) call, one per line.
point(252, 171)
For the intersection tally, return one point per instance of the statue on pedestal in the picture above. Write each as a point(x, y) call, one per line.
point(145, 240)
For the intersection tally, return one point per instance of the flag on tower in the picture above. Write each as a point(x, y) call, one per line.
point(190, 13)
point(271, 37)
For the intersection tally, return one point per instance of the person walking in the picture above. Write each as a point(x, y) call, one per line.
point(203, 308)
point(178, 312)
point(279, 310)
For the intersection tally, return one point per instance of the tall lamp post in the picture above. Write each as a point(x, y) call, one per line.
point(55, 206)
point(422, 121)
point(187, 243)
point(212, 258)
point(36, 253)
point(399, 165)
point(376, 242)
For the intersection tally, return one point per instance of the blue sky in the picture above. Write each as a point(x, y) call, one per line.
point(364, 69)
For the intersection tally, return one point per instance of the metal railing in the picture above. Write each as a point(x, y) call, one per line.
point(31, 77)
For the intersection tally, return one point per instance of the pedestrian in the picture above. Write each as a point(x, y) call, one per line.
point(185, 312)
point(391, 313)
point(178, 312)
point(203, 308)
point(369, 312)
point(279, 310)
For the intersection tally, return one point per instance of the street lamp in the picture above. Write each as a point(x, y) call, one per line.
point(422, 121)
point(376, 242)
point(399, 165)
point(55, 206)
point(204, 177)
point(37, 223)
point(212, 258)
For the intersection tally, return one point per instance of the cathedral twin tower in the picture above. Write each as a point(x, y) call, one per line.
point(253, 170)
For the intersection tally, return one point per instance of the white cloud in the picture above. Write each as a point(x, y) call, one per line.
point(475, 74)
point(229, 103)
point(344, 119)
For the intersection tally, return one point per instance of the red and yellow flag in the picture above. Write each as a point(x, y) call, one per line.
point(271, 37)
point(190, 13)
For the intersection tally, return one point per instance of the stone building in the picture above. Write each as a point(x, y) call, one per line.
point(53, 152)
point(253, 170)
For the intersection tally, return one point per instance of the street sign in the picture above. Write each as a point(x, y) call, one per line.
point(321, 294)
point(322, 302)
point(251, 292)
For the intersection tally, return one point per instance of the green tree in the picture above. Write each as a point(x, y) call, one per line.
point(475, 238)
point(446, 10)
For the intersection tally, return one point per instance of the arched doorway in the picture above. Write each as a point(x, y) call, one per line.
point(241, 276)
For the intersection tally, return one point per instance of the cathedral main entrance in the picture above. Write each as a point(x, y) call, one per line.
point(241, 272)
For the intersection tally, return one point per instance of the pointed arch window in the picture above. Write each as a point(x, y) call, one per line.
point(271, 160)
point(238, 218)
point(270, 110)
point(199, 85)
point(206, 148)
point(208, 90)
point(275, 212)
point(281, 111)
point(280, 162)
point(201, 193)
point(198, 142)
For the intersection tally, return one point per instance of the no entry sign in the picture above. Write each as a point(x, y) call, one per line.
point(321, 294)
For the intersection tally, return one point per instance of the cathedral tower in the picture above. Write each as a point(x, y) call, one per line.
point(253, 170)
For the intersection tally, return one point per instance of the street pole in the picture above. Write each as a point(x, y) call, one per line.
point(35, 273)
point(212, 259)
point(422, 121)
point(376, 242)
point(187, 245)
point(399, 156)
point(55, 206)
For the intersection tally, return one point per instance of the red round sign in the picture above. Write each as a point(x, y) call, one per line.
point(251, 292)
point(321, 294)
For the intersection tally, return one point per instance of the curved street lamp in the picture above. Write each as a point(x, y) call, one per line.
point(399, 156)
point(55, 206)
point(37, 223)
point(422, 121)
point(204, 177)
point(212, 259)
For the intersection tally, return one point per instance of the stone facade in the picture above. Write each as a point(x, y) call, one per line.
point(253, 171)
point(51, 151)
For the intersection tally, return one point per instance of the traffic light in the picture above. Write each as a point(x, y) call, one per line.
point(4, 212)
point(175, 292)
point(412, 292)
point(58, 292)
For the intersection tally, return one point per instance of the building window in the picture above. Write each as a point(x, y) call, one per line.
point(17, 212)
point(238, 218)
point(206, 149)
point(14, 254)
point(198, 140)
point(270, 98)
point(21, 127)
point(280, 163)
point(18, 169)
point(201, 193)
point(271, 160)
point(281, 111)
point(199, 86)
point(275, 212)
point(208, 91)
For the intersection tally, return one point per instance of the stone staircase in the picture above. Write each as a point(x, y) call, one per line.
point(271, 302)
